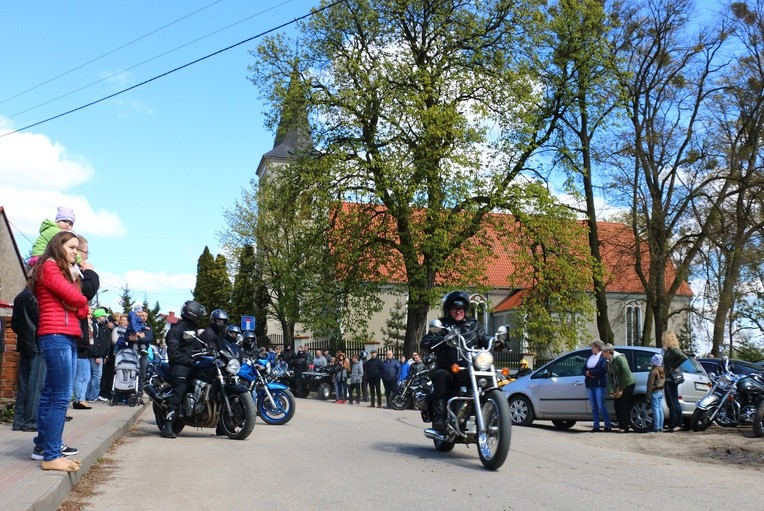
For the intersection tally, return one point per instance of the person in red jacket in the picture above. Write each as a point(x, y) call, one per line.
point(56, 284)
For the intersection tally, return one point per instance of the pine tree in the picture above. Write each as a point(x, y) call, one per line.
point(243, 296)
point(126, 300)
point(394, 331)
point(221, 288)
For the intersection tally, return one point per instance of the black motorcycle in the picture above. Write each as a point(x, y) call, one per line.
point(214, 398)
point(411, 388)
point(733, 399)
point(478, 413)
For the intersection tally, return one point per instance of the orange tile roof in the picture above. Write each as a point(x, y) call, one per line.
point(616, 248)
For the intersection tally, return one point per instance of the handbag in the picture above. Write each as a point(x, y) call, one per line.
point(617, 390)
point(677, 376)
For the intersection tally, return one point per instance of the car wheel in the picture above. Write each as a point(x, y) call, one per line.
point(564, 424)
point(520, 410)
point(640, 415)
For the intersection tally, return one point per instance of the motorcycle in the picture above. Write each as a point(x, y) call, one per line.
point(411, 387)
point(733, 399)
point(478, 414)
point(275, 403)
point(214, 398)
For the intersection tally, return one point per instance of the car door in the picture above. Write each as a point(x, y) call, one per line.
point(560, 389)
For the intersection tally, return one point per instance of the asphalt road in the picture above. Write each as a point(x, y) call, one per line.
point(357, 458)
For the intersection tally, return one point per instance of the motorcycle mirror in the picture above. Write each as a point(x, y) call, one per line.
point(436, 326)
point(501, 333)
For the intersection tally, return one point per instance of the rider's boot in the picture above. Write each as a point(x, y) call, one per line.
point(439, 415)
point(167, 431)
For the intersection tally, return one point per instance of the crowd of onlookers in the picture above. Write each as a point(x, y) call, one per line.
point(356, 378)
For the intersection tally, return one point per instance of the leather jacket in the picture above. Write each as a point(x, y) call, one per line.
point(447, 355)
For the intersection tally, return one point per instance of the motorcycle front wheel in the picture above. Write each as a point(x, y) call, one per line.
point(699, 421)
point(494, 440)
point(241, 422)
point(279, 414)
point(400, 402)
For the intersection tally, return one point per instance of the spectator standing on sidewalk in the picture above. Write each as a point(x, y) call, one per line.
point(364, 358)
point(391, 369)
point(98, 353)
point(31, 363)
point(356, 376)
point(374, 369)
point(56, 283)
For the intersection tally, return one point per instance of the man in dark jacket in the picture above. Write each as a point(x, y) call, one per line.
point(98, 353)
point(180, 352)
point(391, 368)
point(31, 364)
point(374, 369)
point(444, 382)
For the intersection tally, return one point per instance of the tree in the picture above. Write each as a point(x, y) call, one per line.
point(394, 331)
point(213, 285)
point(126, 300)
point(663, 154)
point(244, 286)
point(426, 113)
point(738, 121)
point(155, 321)
point(586, 66)
point(204, 287)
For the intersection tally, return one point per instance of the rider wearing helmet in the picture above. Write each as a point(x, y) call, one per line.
point(524, 370)
point(249, 343)
point(232, 333)
point(213, 334)
point(180, 353)
point(445, 383)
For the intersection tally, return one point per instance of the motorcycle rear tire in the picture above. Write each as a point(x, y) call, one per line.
point(242, 422)
point(493, 443)
point(699, 421)
point(159, 415)
point(758, 421)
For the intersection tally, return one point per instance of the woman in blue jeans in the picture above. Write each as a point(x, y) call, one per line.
point(595, 373)
point(56, 284)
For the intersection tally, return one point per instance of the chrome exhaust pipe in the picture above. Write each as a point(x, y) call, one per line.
point(434, 435)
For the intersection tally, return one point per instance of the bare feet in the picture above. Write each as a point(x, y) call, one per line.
point(62, 465)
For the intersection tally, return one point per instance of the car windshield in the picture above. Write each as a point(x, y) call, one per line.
point(692, 366)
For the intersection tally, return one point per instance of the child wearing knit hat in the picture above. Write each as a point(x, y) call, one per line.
point(49, 228)
point(654, 395)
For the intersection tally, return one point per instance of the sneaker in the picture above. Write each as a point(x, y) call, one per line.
point(38, 454)
point(101, 398)
point(69, 451)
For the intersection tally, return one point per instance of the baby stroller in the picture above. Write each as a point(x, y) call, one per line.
point(125, 383)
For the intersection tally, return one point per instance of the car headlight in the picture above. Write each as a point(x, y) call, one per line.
point(233, 366)
point(483, 361)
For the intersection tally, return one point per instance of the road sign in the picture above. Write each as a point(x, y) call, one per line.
point(247, 322)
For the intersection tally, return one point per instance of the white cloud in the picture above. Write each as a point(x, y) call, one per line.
point(37, 175)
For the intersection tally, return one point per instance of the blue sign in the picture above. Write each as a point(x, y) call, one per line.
point(247, 323)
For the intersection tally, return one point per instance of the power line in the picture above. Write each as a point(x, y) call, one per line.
point(295, 20)
point(144, 62)
point(104, 55)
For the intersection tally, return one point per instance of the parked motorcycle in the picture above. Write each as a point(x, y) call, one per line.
point(214, 398)
point(275, 403)
point(411, 387)
point(733, 399)
point(479, 413)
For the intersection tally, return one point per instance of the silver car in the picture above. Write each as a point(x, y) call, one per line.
point(556, 391)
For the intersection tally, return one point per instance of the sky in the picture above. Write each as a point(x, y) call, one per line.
point(148, 173)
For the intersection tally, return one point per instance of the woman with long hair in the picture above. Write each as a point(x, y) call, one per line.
point(56, 283)
point(673, 358)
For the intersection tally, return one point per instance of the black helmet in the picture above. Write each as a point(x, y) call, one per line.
point(232, 331)
point(218, 320)
point(455, 300)
point(193, 311)
point(249, 339)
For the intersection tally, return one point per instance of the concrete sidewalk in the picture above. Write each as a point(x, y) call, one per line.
point(25, 486)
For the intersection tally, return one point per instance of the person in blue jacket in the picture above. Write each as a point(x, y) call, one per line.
point(595, 372)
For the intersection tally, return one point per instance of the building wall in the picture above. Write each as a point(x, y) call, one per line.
point(12, 277)
point(9, 359)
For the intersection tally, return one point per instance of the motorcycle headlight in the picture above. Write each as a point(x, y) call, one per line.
point(233, 366)
point(483, 361)
point(724, 381)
